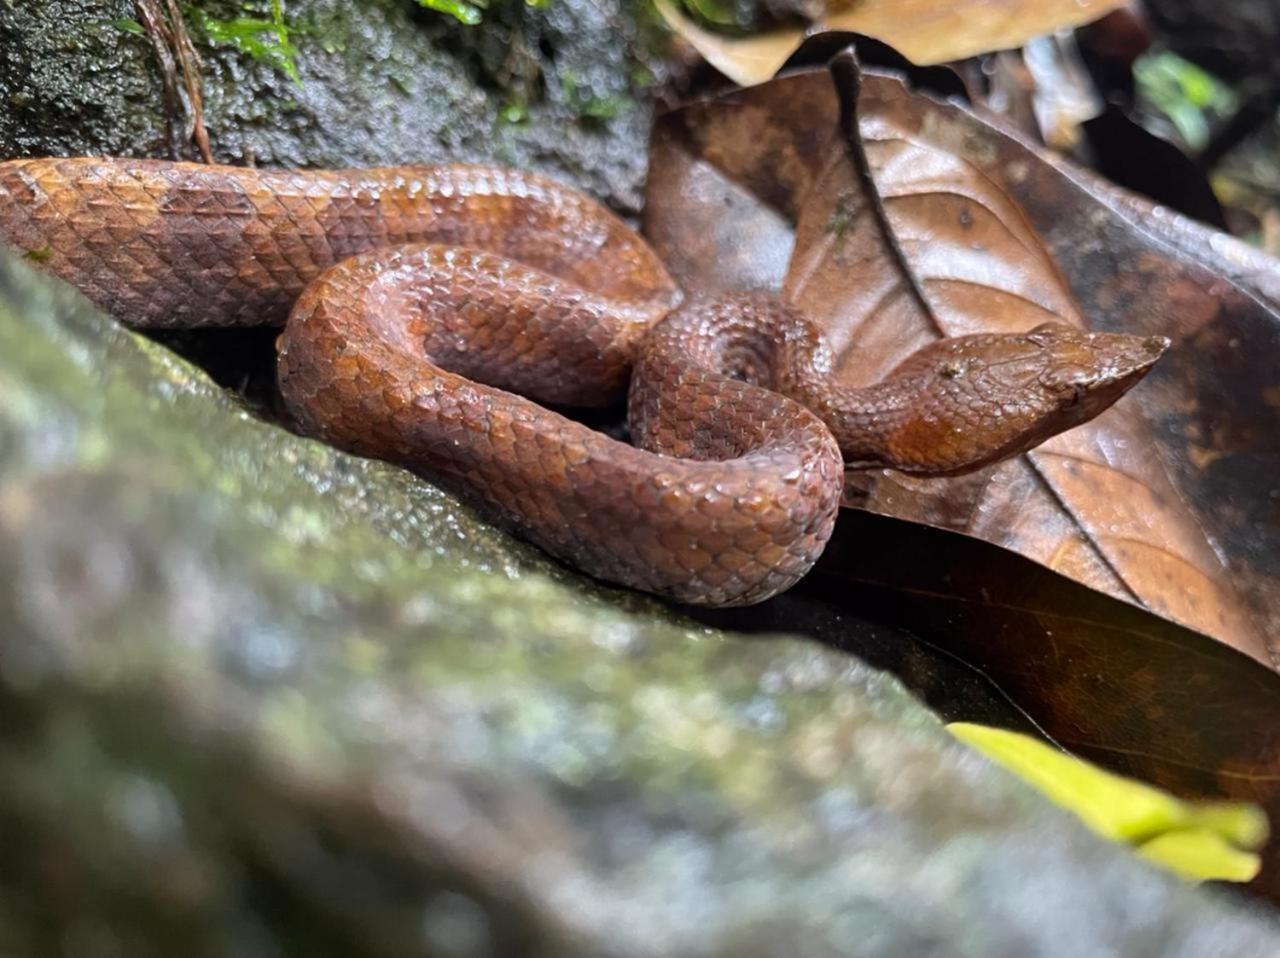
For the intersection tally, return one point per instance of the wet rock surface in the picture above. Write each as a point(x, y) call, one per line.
point(559, 87)
point(258, 697)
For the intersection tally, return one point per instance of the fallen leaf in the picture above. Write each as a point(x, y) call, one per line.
point(1198, 842)
point(1200, 854)
point(948, 241)
point(744, 60)
point(926, 31)
point(1246, 266)
point(1104, 679)
point(1196, 536)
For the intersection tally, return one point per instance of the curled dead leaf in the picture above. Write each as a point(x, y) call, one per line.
point(926, 31)
point(921, 217)
point(932, 238)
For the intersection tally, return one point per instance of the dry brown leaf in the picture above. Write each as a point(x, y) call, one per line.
point(744, 60)
point(934, 31)
point(925, 31)
point(955, 253)
point(1167, 502)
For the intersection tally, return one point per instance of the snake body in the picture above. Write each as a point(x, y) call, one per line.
point(419, 300)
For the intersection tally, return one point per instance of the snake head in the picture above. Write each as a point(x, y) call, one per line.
point(1084, 372)
point(989, 396)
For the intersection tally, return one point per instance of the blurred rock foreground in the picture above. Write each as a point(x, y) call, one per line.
point(260, 698)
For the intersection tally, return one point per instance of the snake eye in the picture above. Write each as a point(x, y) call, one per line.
point(951, 369)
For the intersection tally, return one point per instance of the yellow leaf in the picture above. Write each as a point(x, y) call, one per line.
point(1203, 841)
point(1198, 854)
point(1244, 826)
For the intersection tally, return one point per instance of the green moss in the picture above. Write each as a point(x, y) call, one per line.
point(128, 25)
point(843, 215)
point(742, 17)
point(514, 113)
point(719, 12)
point(382, 82)
point(266, 38)
point(254, 683)
point(466, 13)
point(588, 103)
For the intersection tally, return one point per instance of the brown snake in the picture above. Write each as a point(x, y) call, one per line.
point(507, 280)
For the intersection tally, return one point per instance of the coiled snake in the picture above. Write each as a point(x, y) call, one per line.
point(415, 297)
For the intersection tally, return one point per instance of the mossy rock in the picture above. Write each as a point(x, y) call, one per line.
point(262, 698)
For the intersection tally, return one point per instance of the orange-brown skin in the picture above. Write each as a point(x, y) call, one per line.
point(419, 296)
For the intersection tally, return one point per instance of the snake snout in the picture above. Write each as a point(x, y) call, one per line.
point(1128, 358)
point(1108, 367)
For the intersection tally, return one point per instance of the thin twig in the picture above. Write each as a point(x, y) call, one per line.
point(177, 57)
point(189, 61)
point(153, 25)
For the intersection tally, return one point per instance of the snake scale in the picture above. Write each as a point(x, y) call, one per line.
point(417, 301)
